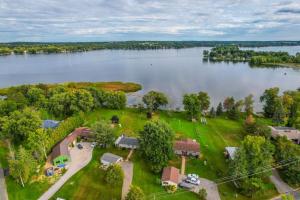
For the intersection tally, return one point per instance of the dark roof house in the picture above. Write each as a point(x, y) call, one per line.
point(127, 142)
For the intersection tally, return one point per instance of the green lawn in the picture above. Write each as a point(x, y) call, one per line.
point(3, 154)
point(89, 182)
point(213, 137)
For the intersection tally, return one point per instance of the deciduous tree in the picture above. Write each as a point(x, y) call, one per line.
point(156, 144)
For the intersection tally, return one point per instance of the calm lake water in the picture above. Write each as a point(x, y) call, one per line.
point(174, 72)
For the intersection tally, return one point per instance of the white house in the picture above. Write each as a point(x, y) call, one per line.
point(230, 152)
point(108, 159)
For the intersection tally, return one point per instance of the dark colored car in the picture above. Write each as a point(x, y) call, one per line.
point(79, 146)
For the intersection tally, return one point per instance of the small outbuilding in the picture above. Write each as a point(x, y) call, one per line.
point(115, 119)
point(127, 142)
point(108, 159)
point(230, 152)
point(187, 147)
point(50, 123)
point(170, 176)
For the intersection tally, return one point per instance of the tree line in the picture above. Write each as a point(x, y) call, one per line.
point(36, 48)
point(256, 58)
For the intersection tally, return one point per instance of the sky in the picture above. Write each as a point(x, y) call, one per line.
point(121, 20)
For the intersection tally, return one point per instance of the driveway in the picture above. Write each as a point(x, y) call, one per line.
point(128, 173)
point(80, 158)
point(280, 185)
point(211, 189)
point(3, 192)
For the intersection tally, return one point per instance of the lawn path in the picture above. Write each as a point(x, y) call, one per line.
point(80, 158)
point(128, 174)
point(3, 192)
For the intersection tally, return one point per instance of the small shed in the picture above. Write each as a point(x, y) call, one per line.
point(230, 152)
point(50, 123)
point(170, 176)
point(108, 159)
point(127, 142)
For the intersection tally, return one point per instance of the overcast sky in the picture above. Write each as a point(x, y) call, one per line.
point(112, 20)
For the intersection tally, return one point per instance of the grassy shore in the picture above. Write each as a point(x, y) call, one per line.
point(108, 86)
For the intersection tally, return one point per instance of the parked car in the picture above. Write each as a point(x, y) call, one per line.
point(79, 146)
point(93, 144)
point(186, 185)
point(193, 176)
point(192, 180)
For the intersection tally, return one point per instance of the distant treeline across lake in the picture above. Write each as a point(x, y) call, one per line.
point(38, 48)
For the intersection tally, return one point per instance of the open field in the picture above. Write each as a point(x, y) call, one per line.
point(108, 86)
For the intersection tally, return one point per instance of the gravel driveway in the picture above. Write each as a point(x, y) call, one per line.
point(128, 173)
point(80, 158)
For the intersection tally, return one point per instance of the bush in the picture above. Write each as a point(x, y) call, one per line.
point(135, 193)
point(202, 194)
point(114, 175)
point(171, 188)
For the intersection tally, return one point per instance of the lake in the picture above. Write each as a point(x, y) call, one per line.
point(172, 71)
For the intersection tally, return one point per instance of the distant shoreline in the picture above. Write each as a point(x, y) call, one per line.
point(70, 47)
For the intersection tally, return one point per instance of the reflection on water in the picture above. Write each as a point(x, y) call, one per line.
point(174, 72)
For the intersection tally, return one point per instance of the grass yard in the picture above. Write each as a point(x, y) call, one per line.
point(89, 183)
point(213, 138)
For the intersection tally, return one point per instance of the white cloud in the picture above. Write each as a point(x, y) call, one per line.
point(70, 20)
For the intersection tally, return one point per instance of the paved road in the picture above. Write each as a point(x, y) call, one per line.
point(280, 185)
point(80, 158)
point(3, 192)
point(128, 174)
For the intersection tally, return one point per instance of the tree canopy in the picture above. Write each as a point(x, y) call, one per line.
point(156, 144)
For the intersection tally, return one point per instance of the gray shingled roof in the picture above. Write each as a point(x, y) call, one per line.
point(50, 123)
point(110, 158)
point(129, 141)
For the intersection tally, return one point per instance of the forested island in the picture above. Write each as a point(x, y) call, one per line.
point(256, 58)
point(37, 48)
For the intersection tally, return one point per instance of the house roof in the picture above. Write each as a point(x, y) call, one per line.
point(50, 123)
point(187, 145)
point(281, 128)
point(289, 132)
point(62, 147)
point(130, 141)
point(231, 151)
point(110, 158)
point(170, 174)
